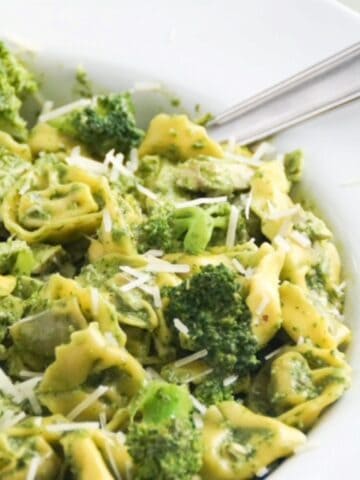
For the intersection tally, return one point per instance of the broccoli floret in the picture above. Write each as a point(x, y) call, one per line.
point(294, 164)
point(164, 444)
point(106, 125)
point(15, 83)
point(212, 391)
point(190, 228)
point(212, 305)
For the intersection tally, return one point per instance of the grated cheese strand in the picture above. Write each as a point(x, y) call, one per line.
point(290, 212)
point(201, 201)
point(69, 107)
point(95, 300)
point(230, 380)
point(301, 239)
point(92, 398)
point(190, 358)
point(133, 163)
point(200, 407)
point(265, 148)
point(262, 472)
point(134, 284)
point(33, 468)
point(282, 243)
point(248, 205)
point(148, 193)
point(262, 306)
point(157, 265)
point(134, 272)
point(199, 375)
point(273, 353)
point(245, 160)
point(107, 221)
point(69, 427)
point(154, 253)
point(181, 327)
point(9, 420)
point(8, 388)
point(231, 231)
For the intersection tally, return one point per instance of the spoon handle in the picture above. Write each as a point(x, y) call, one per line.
point(321, 87)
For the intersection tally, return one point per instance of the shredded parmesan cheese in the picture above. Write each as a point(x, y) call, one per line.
point(248, 205)
point(273, 353)
point(33, 468)
point(48, 105)
point(263, 471)
point(69, 427)
point(198, 421)
point(153, 374)
point(29, 374)
point(230, 380)
point(26, 390)
point(69, 107)
point(197, 377)
point(263, 149)
point(92, 398)
point(245, 160)
point(180, 326)
point(262, 306)
point(237, 449)
point(300, 239)
point(9, 419)
point(8, 388)
point(134, 283)
point(156, 265)
point(190, 358)
point(148, 193)
point(231, 231)
point(154, 253)
point(107, 221)
point(201, 201)
point(77, 160)
point(301, 341)
point(290, 212)
point(95, 300)
point(200, 407)
point(282, 243)
point(133, 163)
point(231, 144)
point(134, 272)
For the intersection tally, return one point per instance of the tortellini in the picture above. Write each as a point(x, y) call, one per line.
point(305, 316)
point(263, 299)
point(298, 383)
point(55, 202)
point(17, 453)
point(239, 443)
point(91, 358)
point(176, 137)
point(96, 456)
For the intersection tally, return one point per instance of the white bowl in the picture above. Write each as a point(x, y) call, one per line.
point(215, 53)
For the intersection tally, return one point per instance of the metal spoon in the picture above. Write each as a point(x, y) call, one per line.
point(317, 89)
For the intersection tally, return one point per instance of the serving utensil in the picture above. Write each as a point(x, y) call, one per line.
point(323, 86)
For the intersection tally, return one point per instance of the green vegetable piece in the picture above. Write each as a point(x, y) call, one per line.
point(15, 83)
point(165, 436)
point(163, 401)
point(294, 164)
point(108, 124)
point(190, 228)
point(212, 306)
